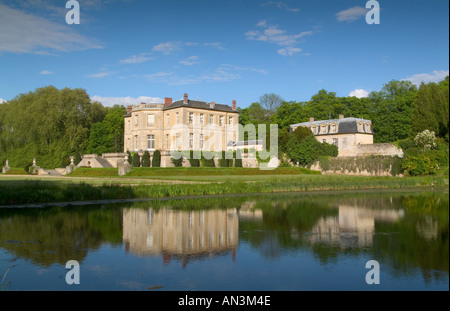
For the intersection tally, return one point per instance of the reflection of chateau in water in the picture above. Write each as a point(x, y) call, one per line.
point(353, 227)
point(185, 234)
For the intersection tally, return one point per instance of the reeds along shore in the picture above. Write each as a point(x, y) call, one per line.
point(44, 191)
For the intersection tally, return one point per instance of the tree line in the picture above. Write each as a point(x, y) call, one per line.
point(51, 124)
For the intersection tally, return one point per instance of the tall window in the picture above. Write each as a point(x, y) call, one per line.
point(151, 119)
point(221, 121)
point(200, 141)
point(333, 128)
point(191, 140)
point(335, 141)
point(177, 118)
point(177, 140)
point(167, 142)
point(201, 119)
point(191, 118)
point(151, 142)
point(211, 119)
point(168, 120)
point(136, 142)
point(136, 120)
point(230, 121)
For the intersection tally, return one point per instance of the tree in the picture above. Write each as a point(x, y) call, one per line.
point(146, 159)
point(136, 162)
point(107, 136)
point(270, 102)
point(426, 140)
point(392, 111)
point(48, 124)
point(431, 109)
point(156, 158)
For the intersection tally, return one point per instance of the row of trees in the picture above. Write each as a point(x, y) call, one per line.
point(398, 111)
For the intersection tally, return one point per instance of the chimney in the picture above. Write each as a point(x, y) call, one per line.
point(311, 119)
point(129, 109)
point(234, 105)
point(341, 116)
point(167, 101)
point(185, 100)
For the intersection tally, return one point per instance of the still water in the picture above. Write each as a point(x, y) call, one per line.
point(267, 242)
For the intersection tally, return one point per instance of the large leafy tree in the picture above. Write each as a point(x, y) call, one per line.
point(47, 124)
point(392, 111)
point(107, 136)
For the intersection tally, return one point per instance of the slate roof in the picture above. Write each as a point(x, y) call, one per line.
point(345, 125)
point(200, 105)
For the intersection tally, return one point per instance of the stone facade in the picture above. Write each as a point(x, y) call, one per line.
point(181, 125)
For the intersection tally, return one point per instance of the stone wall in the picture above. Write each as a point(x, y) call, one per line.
point(385, 149)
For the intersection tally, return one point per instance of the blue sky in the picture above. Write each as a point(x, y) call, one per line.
point(128, 51)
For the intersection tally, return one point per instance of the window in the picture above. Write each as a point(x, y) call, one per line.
point(230, 121)
point(136, 120)
point(367, 128)
point(150, 119)
point(177, 118)
point(324, 129)
point(177, 140)
point(360, 127)
point(333, 128)
point(221, 121)
point(335, 141)
point(167, 142)
point(200, 141)
point(168, 120)
point(314, 129)
point(211, 119)
point(129, 126)
point(191, 140)
point(191, 118)
point(136, 142)
point(151, 142)
point(128, 144)
point(201, 119)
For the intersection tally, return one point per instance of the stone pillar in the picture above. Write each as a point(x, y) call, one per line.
point(125, 167)
point(6, 168)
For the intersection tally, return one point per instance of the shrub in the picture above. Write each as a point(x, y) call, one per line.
point(146, 159)
point(135, 161)
point(27, 167)
point(238, 157)
point(406, 144)
point(207, 162)
point(426, 139)
point(192, 159)
point(130, 157)
point(156, 159)
point(419, 165)
point(177, 162)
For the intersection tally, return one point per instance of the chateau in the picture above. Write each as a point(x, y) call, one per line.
point(352, 136)
point(180, 125)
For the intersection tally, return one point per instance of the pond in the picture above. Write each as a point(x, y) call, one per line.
point(284, 242)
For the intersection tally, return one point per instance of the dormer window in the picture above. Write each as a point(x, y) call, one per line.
point(367, 128)
point(323, 129)
point(360, 127)
point(333, 128)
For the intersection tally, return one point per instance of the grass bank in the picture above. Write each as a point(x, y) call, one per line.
point(22, 191)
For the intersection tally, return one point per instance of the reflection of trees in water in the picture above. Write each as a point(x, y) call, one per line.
point(405, 231)
point(56, 235)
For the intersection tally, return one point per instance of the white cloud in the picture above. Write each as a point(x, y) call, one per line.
point(167, 47)
point(216, 45)
point(289, 51)
point(103, 73)
point(136, 59)
point(351, 14)
point(191, 60)
point(274, 35)
point(2, 101)
point(158, 77)
point(125, 101)
point(27, 33)
point(45, 72)
point(360, 93)
point(281, 5)
point(435, 76)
